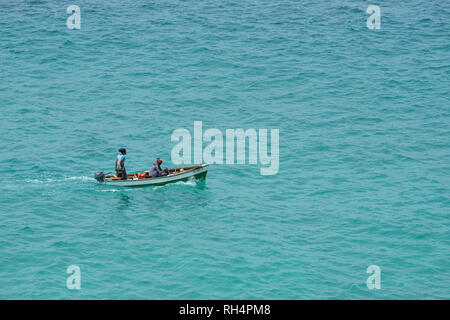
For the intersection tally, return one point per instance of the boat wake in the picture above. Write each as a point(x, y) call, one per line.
point(191, 183)
point(51, 180)
point(111, 190)
point(83, 178)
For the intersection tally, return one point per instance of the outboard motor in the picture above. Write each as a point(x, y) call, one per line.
point(99, 176)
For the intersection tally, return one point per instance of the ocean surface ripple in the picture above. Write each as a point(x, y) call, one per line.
point(364, 173)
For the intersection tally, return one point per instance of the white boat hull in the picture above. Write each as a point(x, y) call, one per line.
point(197, 173)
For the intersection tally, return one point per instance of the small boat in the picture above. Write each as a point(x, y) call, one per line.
point(197, 172)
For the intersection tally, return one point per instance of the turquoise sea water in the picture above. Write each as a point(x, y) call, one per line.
point(364, 172)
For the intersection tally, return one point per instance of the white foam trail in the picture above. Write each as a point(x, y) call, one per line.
point(186, 183)
point(191, 183)
point(33, 181)
point(83, 178)
point(110, 190)
point(50, 180)
point(40, 181)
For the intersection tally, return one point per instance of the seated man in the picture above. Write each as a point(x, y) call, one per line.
point(156, 170)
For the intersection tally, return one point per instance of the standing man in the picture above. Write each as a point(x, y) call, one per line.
point(121, 172)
